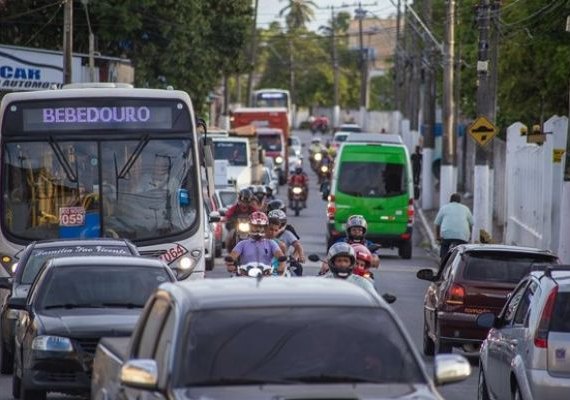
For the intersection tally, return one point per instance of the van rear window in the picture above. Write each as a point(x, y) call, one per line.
point(234, 152)
point(502, 267)
point(372, 179)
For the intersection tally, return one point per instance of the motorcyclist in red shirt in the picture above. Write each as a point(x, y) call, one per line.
point(242, 209)
point(299, 178)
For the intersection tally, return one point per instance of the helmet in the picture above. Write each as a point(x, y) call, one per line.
point(245, 196)
point(299, 170)
point(276, 205)
point(362, 253)
point(277, 216)
point(341, 249)
point(356, 221)
point(316, 140)
point(259, 191)
point(258, 221)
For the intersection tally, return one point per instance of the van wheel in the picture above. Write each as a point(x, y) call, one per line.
point(405, 250)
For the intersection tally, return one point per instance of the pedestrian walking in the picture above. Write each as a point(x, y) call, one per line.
point(453, 224)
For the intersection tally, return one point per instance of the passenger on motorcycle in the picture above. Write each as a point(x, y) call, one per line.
point(256, 249)
point(299, 178)
point(341, 259)
point(315, 146)
point(242, 209)
point(278, 204)
point(260, 193)
point(363, 261)
point(278, 227)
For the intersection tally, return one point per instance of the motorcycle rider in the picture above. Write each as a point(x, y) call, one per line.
point(341, 260)
point(260, 193)
point(363, 261)
point(278, 204)
point(299, 178)
point(277, 226)
point(244, 206)
point(257, 248)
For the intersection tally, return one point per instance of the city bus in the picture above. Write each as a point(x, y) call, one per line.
point(103, 162)
point(272, 98)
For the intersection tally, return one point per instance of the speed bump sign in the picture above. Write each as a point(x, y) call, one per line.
point(483, 131)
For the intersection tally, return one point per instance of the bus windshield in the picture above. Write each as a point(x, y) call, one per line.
point(272, 99)
point(139, 188)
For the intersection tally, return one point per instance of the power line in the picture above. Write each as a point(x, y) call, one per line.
point(60, 2)
point(46, 24)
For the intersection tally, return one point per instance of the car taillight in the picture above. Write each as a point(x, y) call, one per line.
point(411, 211)
point(541, 335)
point(455, 295)
point(331, 207)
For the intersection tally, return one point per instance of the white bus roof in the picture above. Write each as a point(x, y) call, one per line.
point(364, 137)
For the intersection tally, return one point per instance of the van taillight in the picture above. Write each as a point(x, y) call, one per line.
point(541, 335)
point(455, 295)
point(411, 211)
point(331, 207)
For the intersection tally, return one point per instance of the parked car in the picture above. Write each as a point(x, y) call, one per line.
point(331, 339)
point(31, 258)
point(73, 302)
point(472, 279)
point(526, 354)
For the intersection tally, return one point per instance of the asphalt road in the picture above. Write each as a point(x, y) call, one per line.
point(395, 276)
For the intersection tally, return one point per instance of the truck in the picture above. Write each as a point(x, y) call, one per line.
point(266, 117)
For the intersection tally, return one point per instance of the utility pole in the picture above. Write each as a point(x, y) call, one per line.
point(67, 41)
point(360, 14)
point(482, 191)
point(564, 245)
point(414, 97)
point(448, 174)
point(252, 53)
point(336, 107)
point(428, 113)
point(91, 43)
point(397, 60)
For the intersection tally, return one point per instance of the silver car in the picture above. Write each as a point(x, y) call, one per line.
point(527, 352)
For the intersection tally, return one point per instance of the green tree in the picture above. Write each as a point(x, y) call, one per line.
point(297, 13)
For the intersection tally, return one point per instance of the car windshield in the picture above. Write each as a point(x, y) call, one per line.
point(372, 179)
point(228, 198)
point(39, 256)
point(270, 142)
point(100, 286)
point(234, 152)
point(300, 344)
point(340, 138)
point(105, 188)
point(502, 266)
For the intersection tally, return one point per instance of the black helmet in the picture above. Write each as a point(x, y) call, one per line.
point(356, 221)
point(245, 196)
point(341, 249)
point(276, 205)
point(299, 170)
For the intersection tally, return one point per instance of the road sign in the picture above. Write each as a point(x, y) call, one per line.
point(483, 131)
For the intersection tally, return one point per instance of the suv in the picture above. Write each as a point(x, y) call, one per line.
point(527, 352)
point(472, 279)
point(31, 259)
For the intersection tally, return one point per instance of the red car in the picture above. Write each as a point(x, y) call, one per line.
point(472, 279)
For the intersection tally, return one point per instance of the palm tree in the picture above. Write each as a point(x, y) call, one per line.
point(298, 13)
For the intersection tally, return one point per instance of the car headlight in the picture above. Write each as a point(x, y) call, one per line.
point(278, 159)
point(297, 190)
point(52, 343)
point(318, 157)
point(243, 227)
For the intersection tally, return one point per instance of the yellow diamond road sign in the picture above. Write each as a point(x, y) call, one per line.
point(483, 131)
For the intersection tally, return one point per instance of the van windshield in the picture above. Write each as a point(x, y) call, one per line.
point(234, 152)
point(372, 179)
point(270, 142)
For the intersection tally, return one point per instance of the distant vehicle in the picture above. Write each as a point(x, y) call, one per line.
point(73, 303)
point(103, 160)
point(31, 259)
point(296, 145)
point(472, 279)
point(224, 198)
point(210, 245)
point(349, 128)
point(372, 177)
point(525, 355)
point(215, 131)
point(273, 98)
point(339, 138)
point(219, 352)
point(271, 181)
point(237, 152)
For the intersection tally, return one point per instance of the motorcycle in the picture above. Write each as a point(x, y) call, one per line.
point(241, 231)
point(325, 170)
point(316, 159)
point(296, 198)
point(320, 124)
point(256, 269)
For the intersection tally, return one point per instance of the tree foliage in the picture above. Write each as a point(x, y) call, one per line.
point(186, 44)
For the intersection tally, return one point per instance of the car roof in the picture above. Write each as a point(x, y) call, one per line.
point(503, 248)
point(369, 137)
point(272, 292)
point(79, 242)
point(123, 261)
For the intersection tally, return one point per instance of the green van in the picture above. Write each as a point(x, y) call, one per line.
point(373, 177)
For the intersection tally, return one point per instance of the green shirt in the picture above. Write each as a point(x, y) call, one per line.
point(455, 221)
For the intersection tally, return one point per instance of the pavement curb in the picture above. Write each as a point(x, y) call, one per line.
point(428, 234)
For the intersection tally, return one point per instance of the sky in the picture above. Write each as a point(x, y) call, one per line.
point(269, 10)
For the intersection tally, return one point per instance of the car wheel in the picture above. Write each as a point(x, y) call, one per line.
point(482, 392)
point(16, 386)
point(443, 347)
point(28, 394)
point(405, 250)
point(6, 360)
point(429, 345)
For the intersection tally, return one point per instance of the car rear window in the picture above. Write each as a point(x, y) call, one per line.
point(501, 266)
point(228, 198)
point(561, 318)
point(41, 255)
point(372, 179)
point(340, 138)
point(296, 344)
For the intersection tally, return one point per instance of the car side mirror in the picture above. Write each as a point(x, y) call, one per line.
point(450, 368)
point(222, 212)
point(140, 374)
point(426, 274)
point(17, 303)
point(6, 282)
point(389, 298)
point(214, 216)
point(486, 320)
point(314, 258)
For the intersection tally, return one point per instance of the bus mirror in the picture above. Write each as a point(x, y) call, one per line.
point(183, 197)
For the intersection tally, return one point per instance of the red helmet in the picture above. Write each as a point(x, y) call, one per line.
point(362, 253)
point(258, 218)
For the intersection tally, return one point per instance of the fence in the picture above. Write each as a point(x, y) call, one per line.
point(534, 176)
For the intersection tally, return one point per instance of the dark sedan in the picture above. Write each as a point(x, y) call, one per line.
point(472, 279)
point(31, 258)
point(74, 302)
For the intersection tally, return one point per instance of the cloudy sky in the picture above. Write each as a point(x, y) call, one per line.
point(269, 10)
